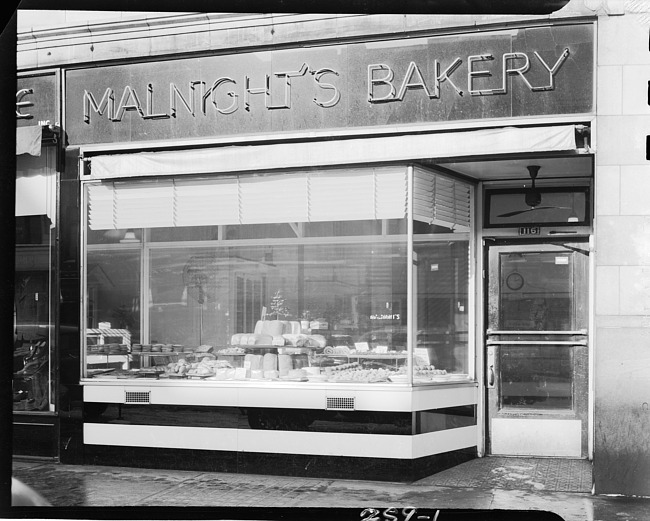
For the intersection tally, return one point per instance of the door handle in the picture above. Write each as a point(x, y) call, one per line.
point(489, 364)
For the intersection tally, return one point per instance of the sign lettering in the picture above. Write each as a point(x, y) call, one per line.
point(36, 100)
point(381, 87)
point(20, 104)
point(213, 98)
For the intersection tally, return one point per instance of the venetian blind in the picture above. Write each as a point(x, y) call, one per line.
point(441, 200)
point(373, 193)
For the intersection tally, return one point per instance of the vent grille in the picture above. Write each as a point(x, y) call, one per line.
point(137, 396)
point(340, 403)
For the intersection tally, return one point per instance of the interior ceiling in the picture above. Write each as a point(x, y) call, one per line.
point(515, 168)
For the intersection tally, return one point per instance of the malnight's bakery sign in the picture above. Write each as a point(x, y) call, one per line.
point(501, 74)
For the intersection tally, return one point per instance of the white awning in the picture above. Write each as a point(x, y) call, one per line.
point(487, 142)
point(36, 184)
point(28, 140)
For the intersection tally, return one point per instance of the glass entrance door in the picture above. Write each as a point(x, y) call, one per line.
point(536, 349)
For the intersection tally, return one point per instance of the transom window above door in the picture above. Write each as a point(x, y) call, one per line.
point(561, 206)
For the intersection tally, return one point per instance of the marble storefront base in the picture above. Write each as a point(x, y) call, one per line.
point(334, 467)
point(35, 435)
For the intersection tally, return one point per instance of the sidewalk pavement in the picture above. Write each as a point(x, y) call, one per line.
point(247, 496)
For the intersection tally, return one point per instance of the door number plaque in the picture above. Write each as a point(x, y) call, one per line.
point(530, 230)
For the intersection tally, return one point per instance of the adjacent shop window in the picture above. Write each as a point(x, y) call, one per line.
point(33, 313)
point(297, 276)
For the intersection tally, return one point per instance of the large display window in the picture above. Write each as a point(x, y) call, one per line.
point(333, 276)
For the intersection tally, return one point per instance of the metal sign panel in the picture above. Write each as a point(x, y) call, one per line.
point(36, 100)
point(518, 72)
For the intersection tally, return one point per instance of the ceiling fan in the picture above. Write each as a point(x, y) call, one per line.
point(533, 197)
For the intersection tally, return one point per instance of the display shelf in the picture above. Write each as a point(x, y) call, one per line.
point(374, 356)
point(105, 358)
point(388, 359)
point(168, 353)
point(266, 346)
point(101, 334)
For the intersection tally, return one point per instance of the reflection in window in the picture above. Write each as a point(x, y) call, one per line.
point(442, 321)
point(113, 287)
point(538, 377)
point(537, 292)
point(205, 296)
point(34, 340)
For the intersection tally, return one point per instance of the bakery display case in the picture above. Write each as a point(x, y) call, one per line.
point(318, 314)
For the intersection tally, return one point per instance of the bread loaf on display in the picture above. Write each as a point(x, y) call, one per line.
point(284, 364)
point(273, 327)
point(255, 361)
point(295, 328)
point(270, 362)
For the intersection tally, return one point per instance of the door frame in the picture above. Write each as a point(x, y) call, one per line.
point(506, 239)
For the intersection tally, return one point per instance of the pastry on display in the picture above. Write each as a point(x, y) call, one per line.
point(232, 351)
point(293, 340)
point(296, 374)
point(224, 373)
point(343, 367)
point(428, 370)
point(361, 375)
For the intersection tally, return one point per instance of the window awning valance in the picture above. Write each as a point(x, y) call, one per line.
point(507, 140)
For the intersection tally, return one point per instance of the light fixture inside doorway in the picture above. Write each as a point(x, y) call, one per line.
point(573, 216)
point(533, 197)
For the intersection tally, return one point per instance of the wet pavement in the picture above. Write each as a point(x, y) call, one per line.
point(497, 485)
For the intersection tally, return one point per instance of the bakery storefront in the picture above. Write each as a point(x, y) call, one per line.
point(283, 254)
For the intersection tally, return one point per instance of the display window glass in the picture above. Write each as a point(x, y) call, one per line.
point(443, 317)
point(33, 350)
point(322, 295)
